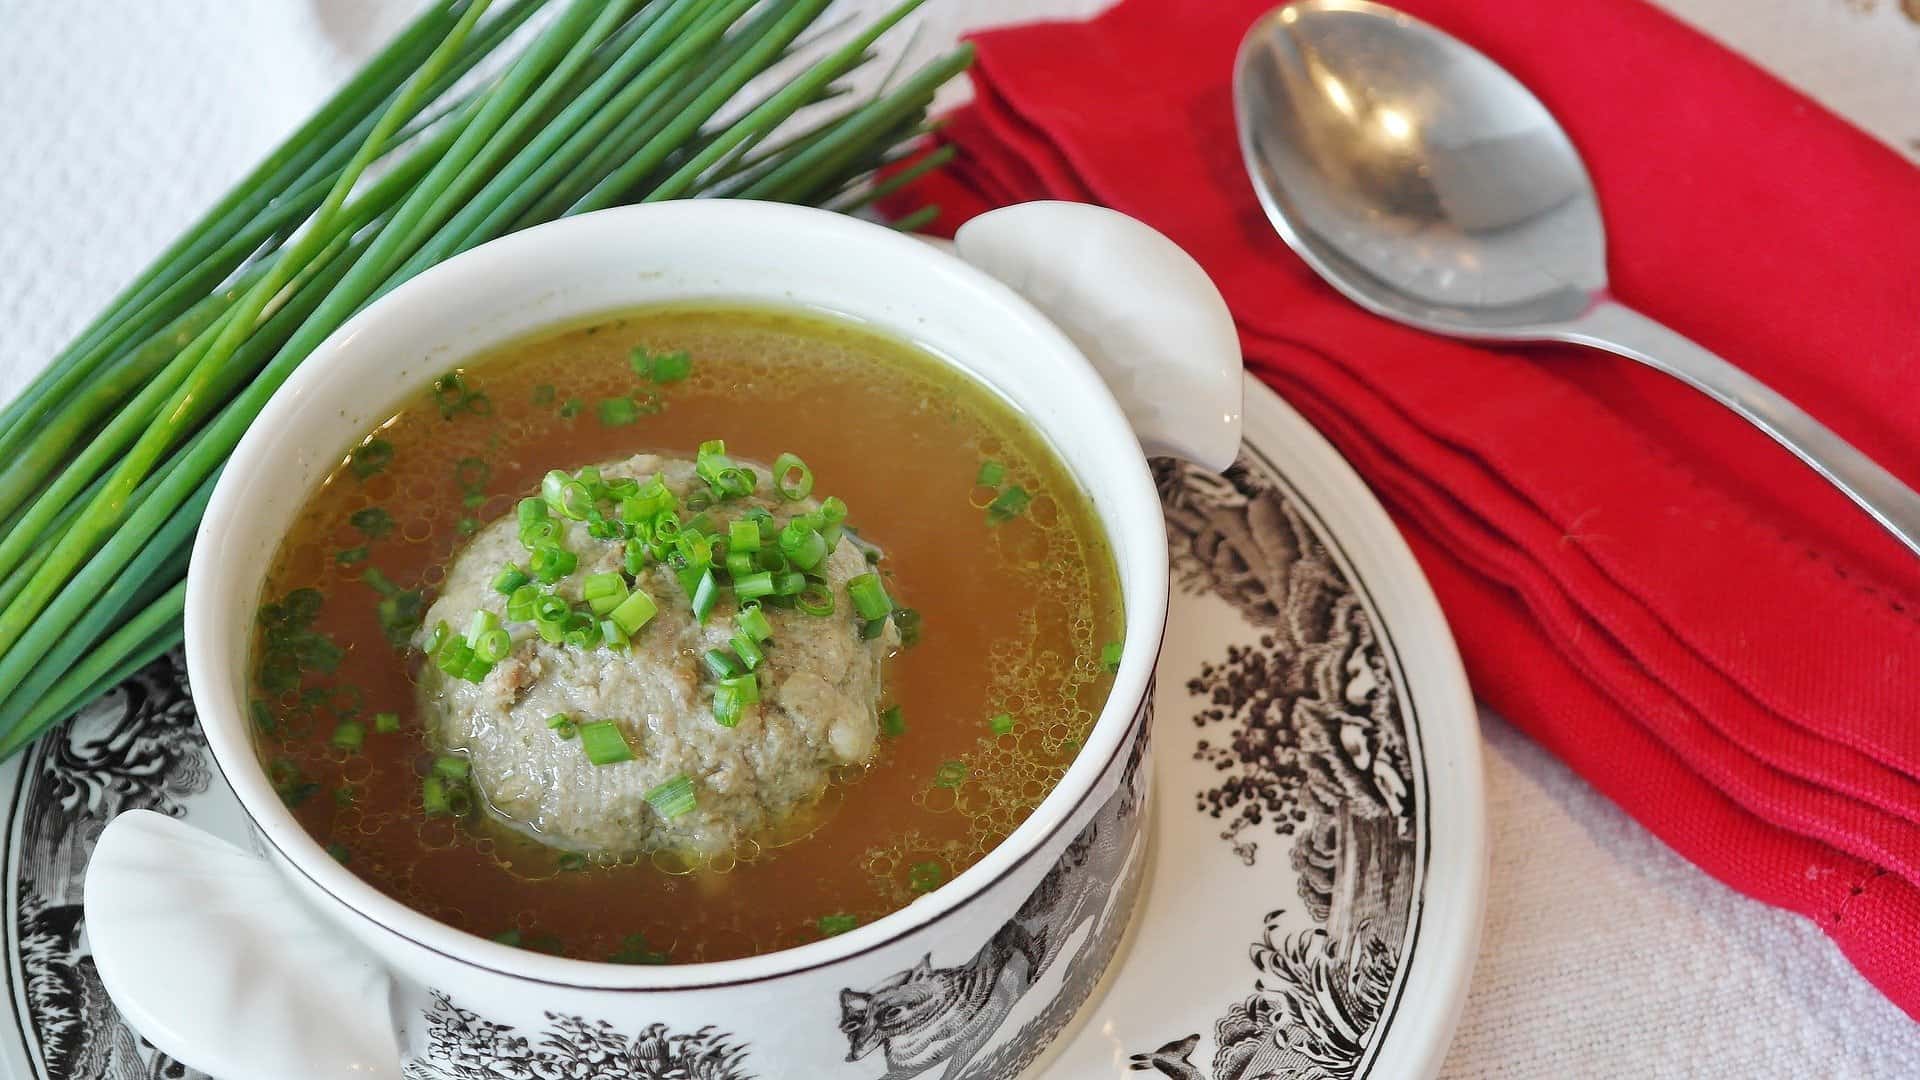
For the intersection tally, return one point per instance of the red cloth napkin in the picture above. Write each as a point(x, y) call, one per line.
point(1675, 606)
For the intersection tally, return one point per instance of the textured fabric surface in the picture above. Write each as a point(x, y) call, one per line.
point(1637, 578)
point(1605, 953)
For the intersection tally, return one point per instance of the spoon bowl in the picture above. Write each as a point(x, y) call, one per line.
point(1429, 186)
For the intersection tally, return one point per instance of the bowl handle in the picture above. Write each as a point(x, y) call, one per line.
point(211, 955)
point(1138, 306)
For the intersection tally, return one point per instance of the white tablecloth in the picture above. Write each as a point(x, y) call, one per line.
point(1605, 954)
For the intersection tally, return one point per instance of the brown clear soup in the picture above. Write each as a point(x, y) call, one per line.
point(1014, 616)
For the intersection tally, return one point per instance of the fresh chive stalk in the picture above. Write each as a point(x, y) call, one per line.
point(107, 458)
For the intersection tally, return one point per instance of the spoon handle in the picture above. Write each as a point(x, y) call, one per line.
point(1620, 329)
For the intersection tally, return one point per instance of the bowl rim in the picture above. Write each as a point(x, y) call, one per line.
point(1143, 573)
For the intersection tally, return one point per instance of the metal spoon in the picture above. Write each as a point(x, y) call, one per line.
point(1424, 182)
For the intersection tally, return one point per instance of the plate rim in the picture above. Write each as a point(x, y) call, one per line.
point(1447, 925)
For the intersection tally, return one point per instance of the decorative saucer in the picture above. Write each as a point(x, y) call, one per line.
point(1319, 850)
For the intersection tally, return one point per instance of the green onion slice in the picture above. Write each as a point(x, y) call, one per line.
point(720, 664)
point(603, 742)
point(1009, 504)
point(673, 798)
point(349, 735)
point(634, 612)
point(791, 477)
point(869, 597)
point(749, 651)
point(753, 622)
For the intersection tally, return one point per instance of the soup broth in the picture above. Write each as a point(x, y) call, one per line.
point(1017, 599)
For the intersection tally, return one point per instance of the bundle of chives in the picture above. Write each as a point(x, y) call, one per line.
point(108, 458)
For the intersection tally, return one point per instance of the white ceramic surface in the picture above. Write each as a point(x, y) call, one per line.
point(440, 983)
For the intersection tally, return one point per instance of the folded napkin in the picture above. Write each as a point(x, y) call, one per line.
point(1652, 589)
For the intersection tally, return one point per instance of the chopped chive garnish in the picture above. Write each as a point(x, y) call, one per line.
point(752, 586)
point(950, 774)
point(543, 394)
point(735, 482)
point(991, 473)
point(467, 526)
point(370, 457)
point(441, 632)
point(746, 687)
point(604, 743)
point(613, 636)
point(523, 604)
point(815, 599)
point(790, 584)
point(705, 595)
point(618, 412)
point(731, 698)
point(604, 592)
point(743, 537)
point(349, 735)
point(346, 794)
point(871, 629)
point(494, 645)
point(673, 798)
point(892, 721)
point(482, 623)
point(772, 560)
point(753, 621)
point(550, 563)
point(833, 925)
point(340, 853)
point(386, 723)
point(374, 521)
point(451, 767)
point(740, 563)
point(472, 473)
point(693, 547)
point(720, 664)
point(1110, 656)
point(907, 621)
point(1001, 723)
point(572, 862)
point(1009, 504)
point(634, 949)
point(572, 408)
point(791, 477)
point(451, 393)
point(581, 631)
point(508, 937)
point(804, 547)
point(869, 597)
point(351, 556)
point(749, 651)
point(433, 796)
point(537, 534)
point(924, 877)
point(563, 725)
point(671, 367)
point(509, 578)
